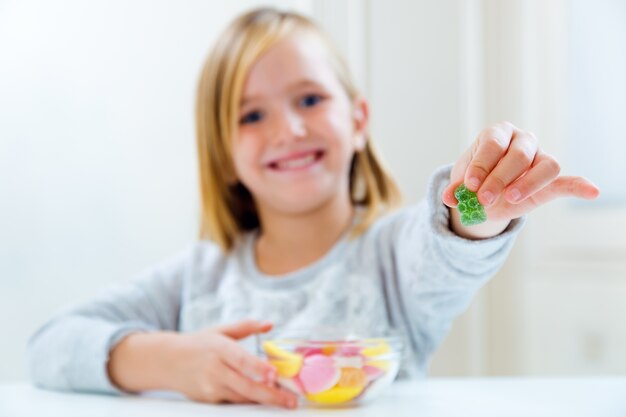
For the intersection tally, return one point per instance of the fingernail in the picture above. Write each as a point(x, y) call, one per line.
point(449, 196)
point(474, 182)
point(515, 194)
point(487, 196)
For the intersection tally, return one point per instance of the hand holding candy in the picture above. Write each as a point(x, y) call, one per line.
point(511, 175)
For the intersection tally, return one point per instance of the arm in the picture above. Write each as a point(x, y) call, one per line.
point(432, 273)
point(207, 365)
point(439, 262)
point(70, 352)
point(127, 341)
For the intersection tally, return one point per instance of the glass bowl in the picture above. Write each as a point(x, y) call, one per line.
point(332, 367)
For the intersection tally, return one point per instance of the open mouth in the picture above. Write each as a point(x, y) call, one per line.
point(297, 162)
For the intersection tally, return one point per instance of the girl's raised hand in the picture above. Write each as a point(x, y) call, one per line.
point(511, 175)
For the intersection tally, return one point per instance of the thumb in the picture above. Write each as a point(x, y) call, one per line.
point(245, 328)
point(457, 176)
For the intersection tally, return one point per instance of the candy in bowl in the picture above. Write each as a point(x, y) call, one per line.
point(332, 367)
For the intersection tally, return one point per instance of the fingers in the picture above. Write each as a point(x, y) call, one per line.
point(498, 160)
point(230, 396)
point(492, 144)
point(516, 162)
point(256, 391)
point(243, 329)
point(456, 178)
point(235, 356)
point(544, 170)
point(477, 162)
point(567, 187)
point(561, 187)
point(448, 196)
point(507, 170)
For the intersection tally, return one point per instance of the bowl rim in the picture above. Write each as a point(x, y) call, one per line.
point(290, 339)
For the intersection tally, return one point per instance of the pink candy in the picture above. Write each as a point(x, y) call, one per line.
point(318, 373)
point(372, 372)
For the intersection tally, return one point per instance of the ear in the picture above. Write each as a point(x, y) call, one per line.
point(360, 115)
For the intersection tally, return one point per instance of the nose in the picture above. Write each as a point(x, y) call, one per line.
point(287, 126)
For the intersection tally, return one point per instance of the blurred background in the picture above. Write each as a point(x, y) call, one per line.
point(98, 167)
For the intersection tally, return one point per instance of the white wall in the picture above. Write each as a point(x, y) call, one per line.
point(576, 283)
point(415, 98)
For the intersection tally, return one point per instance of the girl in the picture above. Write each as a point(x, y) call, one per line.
point(296, 231)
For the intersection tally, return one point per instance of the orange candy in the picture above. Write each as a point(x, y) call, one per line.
point(352, 377)
point(328, 350)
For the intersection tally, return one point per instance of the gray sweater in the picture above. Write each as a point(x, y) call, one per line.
point(407, 272)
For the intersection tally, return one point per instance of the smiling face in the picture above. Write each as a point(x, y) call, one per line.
point(298, 129)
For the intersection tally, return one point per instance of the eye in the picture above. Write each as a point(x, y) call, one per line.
point(251, 117)
point(310, 100)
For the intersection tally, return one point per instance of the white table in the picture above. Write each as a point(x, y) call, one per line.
point(433, 397)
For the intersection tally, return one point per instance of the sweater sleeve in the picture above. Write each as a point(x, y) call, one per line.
point(71, 351)
point(436, 273)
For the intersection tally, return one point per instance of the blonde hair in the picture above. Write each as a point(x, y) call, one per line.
point(227, 209)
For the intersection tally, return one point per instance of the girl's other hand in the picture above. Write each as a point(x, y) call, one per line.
point(206, 366)
point(214, 368)
point(511, 175)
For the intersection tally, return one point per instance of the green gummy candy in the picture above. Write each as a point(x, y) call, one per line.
point(472, 212)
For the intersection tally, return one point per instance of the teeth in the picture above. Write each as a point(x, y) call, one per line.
point(296, 163)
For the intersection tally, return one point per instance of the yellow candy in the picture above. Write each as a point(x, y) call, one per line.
point(376, 350)
point(335, 395)
point(384, 365)
point(287, 364)
point(381, 348)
